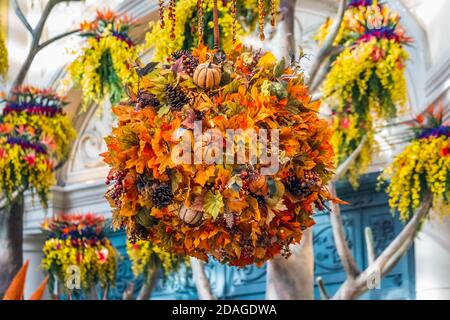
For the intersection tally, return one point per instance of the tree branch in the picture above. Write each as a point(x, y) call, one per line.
point(327, 45)
point(287, 11)
point(150, 283)
point(353, 288)
point(36, 37)
point(201, 280)
point(323, 71)
point(128, 293)
point(371, 255)
point(339, 235)
point(21, 16)
point(323, 291)
point(343, 167)
point(56, 38)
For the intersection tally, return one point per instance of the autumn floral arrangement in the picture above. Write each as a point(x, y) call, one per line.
point(3, 57)
point(145, 256)
point(240, 211)
point(35, 137)
point(78, 240)
point(423, 166)
point(103, 68)
point(366, 81)
point(184, 24)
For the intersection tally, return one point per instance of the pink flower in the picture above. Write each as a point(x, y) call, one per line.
point(346, 123)
point(102, 255)
point(30, 159)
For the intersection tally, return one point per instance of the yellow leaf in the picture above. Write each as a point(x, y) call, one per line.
point(267, 61)
point(203, 175)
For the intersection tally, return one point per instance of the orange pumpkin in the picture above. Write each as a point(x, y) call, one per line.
point(189, 216)
point(207, 75)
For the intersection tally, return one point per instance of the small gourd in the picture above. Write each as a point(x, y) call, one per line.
point(189, 216)
point(207, 75)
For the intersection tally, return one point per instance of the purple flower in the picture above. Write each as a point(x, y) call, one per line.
point(359, 3)
point(435, 132)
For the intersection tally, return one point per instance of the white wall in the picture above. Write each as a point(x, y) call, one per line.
point(432, 250)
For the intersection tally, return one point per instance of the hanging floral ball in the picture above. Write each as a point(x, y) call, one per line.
point(423, 166)
point(35, 136)
point(102, 69)
point(242, 205)
point(78, 240)
point(366, 81)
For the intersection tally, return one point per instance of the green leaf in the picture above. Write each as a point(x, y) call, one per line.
point(163, 110)
point(213, 203)
point(279, 68)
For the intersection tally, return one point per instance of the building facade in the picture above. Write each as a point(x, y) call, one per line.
point(421, 274)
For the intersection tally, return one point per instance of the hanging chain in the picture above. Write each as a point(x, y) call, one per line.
point(262, 15)
point(161, 14)
point(200, 21)
point(272, 13)
point(172, 18)
point(233, 12)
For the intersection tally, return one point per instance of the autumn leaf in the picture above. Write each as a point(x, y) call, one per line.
point(267, 60)
point(213, 203)
point(203, 175)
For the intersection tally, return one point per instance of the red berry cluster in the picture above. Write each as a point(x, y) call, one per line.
point(116, 190)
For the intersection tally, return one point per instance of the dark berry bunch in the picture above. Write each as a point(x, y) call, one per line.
point(116, 190)
point(175, 97)
point(145, 100)
point(138, 233)
point(260, 198)
point(302, 187)
point(161, 195)
point(186, 59)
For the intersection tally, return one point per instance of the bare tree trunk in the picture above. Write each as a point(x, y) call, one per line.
point(354, 287)
point(149, 285)
point(286, 26)
point(293, 278)
point(201, 280)
point(11, 240)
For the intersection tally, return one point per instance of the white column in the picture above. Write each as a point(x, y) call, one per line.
point(432, 257)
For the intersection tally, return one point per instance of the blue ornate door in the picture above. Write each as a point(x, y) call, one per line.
point(367, 208)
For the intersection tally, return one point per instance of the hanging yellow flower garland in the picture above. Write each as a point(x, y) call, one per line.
point(423, 166)
point(78, 241)
point(104, 66)
point(366, 82)
point(144, 255)
point(35, 136)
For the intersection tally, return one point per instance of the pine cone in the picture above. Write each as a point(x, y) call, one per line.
point(146, 99)
point(175, 97)
point(162, 195)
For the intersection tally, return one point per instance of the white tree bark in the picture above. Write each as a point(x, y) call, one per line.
point(293, 278)
point(201, 280)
